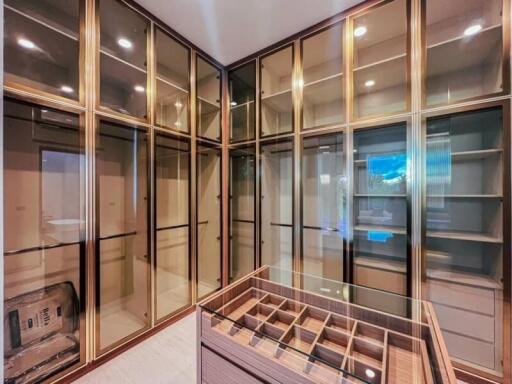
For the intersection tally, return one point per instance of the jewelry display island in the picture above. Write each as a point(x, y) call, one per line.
point(276, 326)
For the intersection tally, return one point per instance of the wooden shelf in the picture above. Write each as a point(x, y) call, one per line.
point(383, 195)
point(465, 236)
point(322, 93)
point(462, 37)
point(279, 101)
point(209, 106)
point(466, 196)
point(461, 277)
point(171, 84)
point(380, 228)
point(241, 105)
point(376, 63)
point(383, 264)
point(475, 155)
point(324, 79)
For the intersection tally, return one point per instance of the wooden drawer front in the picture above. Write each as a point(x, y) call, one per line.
point(216, 370)
point(461, 296)
point(470, 350)
point(466, 323)
point(380, 279)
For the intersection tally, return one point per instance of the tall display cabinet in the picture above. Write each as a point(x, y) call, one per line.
point(113, 182)
point(383, 160)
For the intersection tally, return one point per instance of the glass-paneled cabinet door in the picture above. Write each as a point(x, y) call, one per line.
point(323, 81)
point(208, 100)
point(323, 206)
point(276, 92)
point(42, 45)
point(172, 82)
point(464, 49)
point(380, 66)
point(242, 94)
point(172, 250)
point(242, 198)
point(380, 248)
point(209, 229)
point(123, 59)
point(44, 241)
point(466, 237)
point(276, 202)
point(122, 258)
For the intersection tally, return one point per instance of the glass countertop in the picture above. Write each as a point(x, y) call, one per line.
point(331, 331)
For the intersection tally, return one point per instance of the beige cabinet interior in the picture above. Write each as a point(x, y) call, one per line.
point(123, 259)
point(208, 100)
point(208, 220)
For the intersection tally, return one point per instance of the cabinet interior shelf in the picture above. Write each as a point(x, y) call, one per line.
point(279, 101)
point(475, 155)
point(209, 106)
point(390, 195)
point(67, 33)
point(465, 278)
point(106, 53)
point(465, 196)
point(378, 263)
point(170, 83)
point(383, 61)
point(467, 236)
point(380, 228)
point(241, 105)
point(327, 78)
point(461, 37)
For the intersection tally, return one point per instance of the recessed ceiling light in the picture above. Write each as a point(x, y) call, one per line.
point(324, 147)
point(473, 30)
point(178, 104)
point(25, 43)
point(233, 103)
point(369, 83)
point(177, 124)
point(66, 88)
point(369, 373)
point(125, 43)
point(360, 31)
point(139, 88)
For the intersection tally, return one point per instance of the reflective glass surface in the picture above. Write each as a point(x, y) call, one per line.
point(464, 53)
point(242, 92)
point(323, 206)
point(172, 82)
point(464, 247)
point(123, 58)
point(44, 237)
point(208, 100)
point(381, 61)
point(172, 179)
point(380, 214)
point(277, 204)
point(41, 44)
point(122, 254)
point(242, 211)
point(276, 92)
point(209, 246)
point(323, 87)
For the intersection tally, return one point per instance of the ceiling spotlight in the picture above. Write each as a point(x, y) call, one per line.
point(125, 43)
point(139, 88)
point(473, 30)
point(26, 43)
point(369, 373)
point(369, 83)
point(178, 104)
point(66, 88)
point(233, 103)
point(360, 31)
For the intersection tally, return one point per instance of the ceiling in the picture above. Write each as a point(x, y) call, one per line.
point(230, 30)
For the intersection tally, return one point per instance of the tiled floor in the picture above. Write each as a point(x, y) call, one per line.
point(168, 357)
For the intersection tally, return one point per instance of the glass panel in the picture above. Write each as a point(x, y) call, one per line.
point(276, 92)
point(172, 82)
point(323, 206)
point(242, 205)
point(381, 60)
point(323, 91)
point(44, 212)
point(172, 178)
point(464, 238)
point(208, 100)
point(209, 229)
point(123, 61)
point(242, 91)
point(464, 49)
point(331, 332)
point(122, 258)
point(277, 204)
point(380, 214)
point(41, 45)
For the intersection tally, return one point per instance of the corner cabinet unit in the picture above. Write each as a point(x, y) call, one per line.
point(466, 272)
